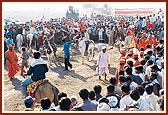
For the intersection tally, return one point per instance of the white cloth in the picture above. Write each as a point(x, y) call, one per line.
point(103, 61)
point(144, 104)
point(153, 100)
point(133, 85)
point(126, 100)
point(129, 42)
point(148, 70)
point(32, 30)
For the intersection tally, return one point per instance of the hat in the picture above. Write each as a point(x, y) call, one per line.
point(135, 55)
point(123, 51)
point(141, 52)
point(155, 67)
point(104, 47)
point(112, 101)
point(103, 107)
point(29, 100)
point(122, 61)
point(51, 30)
point(129, 32)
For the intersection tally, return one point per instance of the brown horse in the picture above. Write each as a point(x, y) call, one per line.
point(46, 89)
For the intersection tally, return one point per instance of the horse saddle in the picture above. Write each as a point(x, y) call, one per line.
point(31, 88)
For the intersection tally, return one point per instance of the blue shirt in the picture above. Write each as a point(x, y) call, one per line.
point(9, 41)
point(66, 48)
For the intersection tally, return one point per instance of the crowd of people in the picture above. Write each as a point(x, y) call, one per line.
point(138, 83)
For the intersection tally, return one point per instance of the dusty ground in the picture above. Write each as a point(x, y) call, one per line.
point(81, 76)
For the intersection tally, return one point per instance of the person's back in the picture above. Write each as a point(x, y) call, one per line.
point(86, 105)
point(38, 68)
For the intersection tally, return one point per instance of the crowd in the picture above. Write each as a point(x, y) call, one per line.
point(138, 84)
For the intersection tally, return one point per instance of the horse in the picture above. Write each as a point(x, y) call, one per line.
point(49, 50)
point(19, 42)
point(88, 52)
point(45, 89)
point(119, 44)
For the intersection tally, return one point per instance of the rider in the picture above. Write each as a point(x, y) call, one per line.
point(33, 31)
point(37, 69)
point(86, 39)
point(51, 40)
point(129, 40)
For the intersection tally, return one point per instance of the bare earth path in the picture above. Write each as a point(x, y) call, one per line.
point(81, 76)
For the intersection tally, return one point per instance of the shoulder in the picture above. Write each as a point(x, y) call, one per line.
point(38, 62)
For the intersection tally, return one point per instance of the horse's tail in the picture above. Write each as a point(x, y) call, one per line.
point(55, 91)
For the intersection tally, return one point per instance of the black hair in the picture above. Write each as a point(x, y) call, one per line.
point(97, 89)
point(140, 89)
point(110, 88)
point(128, 70)
point(65, 104)
point(37, 55)
point(62, 94)
point(128, 79)
point(148, 46)
point(45, 103)
point(92, 95)
point(149, 89)
point(23, 49)
point(135, 95)
point(121, 72)
point(28, 105)
point(125, 88)
point(143, 62)
point(113, 80)
point(84, 94)
point(130, 63)
point(150, 62)
point(122, 79)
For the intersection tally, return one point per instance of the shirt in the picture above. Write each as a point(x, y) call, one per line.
point(88, 106)
point(103, 59)
point(126, 100)
point(66, 48)
point(153, 100)
point(37, 69)
point(144, 104)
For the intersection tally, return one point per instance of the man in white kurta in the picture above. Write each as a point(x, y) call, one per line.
point(103, 62)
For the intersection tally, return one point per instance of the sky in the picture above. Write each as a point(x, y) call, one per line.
point(8, 6)
point(49, 9)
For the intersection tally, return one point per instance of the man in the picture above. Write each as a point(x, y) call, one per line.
point(51, 41)
point(11, 61)
point(29, 103)
point(129, 40)
point(103, 62)
point(37, 69)
point(86, 105)
point(66, 47)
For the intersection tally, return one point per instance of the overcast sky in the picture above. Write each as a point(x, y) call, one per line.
point(9, 6)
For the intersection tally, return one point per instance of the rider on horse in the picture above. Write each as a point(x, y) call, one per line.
point(51, 40)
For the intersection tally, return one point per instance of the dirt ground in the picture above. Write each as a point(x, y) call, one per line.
point(70, 82)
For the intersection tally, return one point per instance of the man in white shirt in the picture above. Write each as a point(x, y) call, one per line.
point(103, 62)
point(126, 99)
point(152, 97)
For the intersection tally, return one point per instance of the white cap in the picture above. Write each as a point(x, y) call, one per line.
point(112, 101)
point(103, 107)
point(104, 47)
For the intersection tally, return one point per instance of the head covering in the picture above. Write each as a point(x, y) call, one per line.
point(103, 107)
point(141, 52)
point(112, 101)
point(128, 32)
point(123, 51)
point(32, 25)
point(29, 100)
point(135, 55)
point(104, 47)
point(122, 61)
